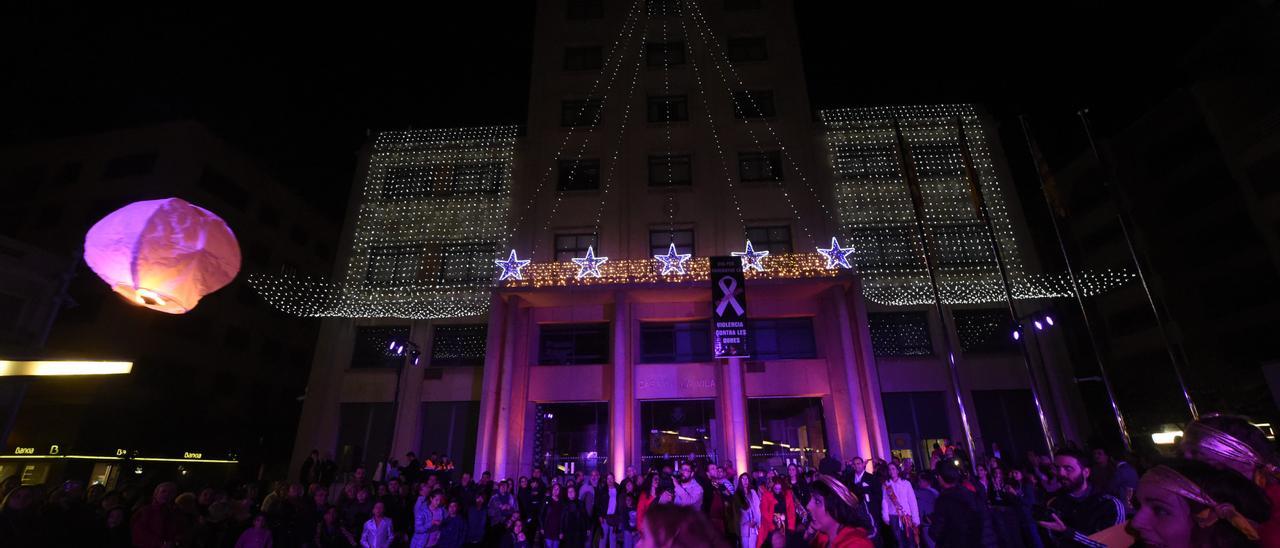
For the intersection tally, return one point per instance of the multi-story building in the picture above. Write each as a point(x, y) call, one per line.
point(679, 130)
point(223, 378)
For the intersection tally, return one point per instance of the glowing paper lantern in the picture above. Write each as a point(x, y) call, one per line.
point(163, 254)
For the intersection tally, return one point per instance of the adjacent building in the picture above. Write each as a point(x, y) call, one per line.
point(217, 383)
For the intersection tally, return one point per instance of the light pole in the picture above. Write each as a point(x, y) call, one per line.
point(411, 353)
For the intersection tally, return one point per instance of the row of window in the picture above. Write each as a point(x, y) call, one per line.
point(667, 54)
point(903, 334)
point(670, 170)
point(774, 239)
point(748, 104)
point(588, 343)
point(579, 10)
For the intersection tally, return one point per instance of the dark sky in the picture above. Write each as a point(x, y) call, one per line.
point(299, 90)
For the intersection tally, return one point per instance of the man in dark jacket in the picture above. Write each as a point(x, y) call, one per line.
point(1078, 509)
point(959, 514)
point(866, 486)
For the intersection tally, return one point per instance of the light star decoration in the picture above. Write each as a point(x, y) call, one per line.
point(673, 262)
point(836, 256)
point(589, 265)
point(511, 267)
point(751, 258)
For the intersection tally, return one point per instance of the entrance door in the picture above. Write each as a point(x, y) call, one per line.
point(784, 431)
point(916, 421)
point(571, 437)
point(672, 431)
point(1008, 418)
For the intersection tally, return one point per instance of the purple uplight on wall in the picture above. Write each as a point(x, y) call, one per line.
point(163, 254)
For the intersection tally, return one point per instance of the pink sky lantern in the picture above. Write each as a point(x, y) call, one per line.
point(163, 254)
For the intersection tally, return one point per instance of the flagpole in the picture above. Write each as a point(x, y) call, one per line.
point(976, 188)
point(917, 203)
point(1049, 201)
point(1126, 229)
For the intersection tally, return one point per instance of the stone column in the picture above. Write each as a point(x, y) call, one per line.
point(620, 403)
point(489, 384)
point(733, 390)
point(505, 407)
point(318, 424)
point(849, 361)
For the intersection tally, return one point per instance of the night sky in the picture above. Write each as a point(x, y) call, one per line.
point(299, 90)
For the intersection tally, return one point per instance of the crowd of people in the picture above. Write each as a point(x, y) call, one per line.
point(1220, 494)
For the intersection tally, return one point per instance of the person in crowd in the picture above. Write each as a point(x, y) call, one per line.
point(412, 470)
point(330, 533)
point(718, 502)
point(899, 510)
point(678, 526)
point(865, 486)
point(648, 493)
point(19, 518)
point(428, 517)
point(115, 534)
point(358, 512)
point(926, 498)
point(829, 465)
point(502, 505)
point(310, 468)
point(1233, 443)
point(777, 510)
point(608, 510)
point(377, 532)
point(552, 514)
point(453, 532)
point(688, 490)
point(587, 498)
point(515, 536)
point(630, 525)
point(839, 518)
point(465, 490)
point(537, 498)
point(1078, 510)
point(158, 523)
point(257, 536)
point(574, 522)
point(959, 514)
point(486, 484)
point(1190, 503)
point(632, 474)
point(799, 484)
point(477, 521)
point(747, 507)
point(1020, 494)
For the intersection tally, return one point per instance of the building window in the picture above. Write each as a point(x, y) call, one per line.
point(467, 264)
point(372, 346)
point(785, 430)
point(583, 58)
point(900, 334)
point(748, 49)
point(670, 170)
point(663, 8)
point(660, 241)
point(664, 54)
point(739, 5)
point(584, 9)
point(571, 437)
point(223, 188)
point(132, 165)
point(569, 246)
point(573, 344)
point(668, 108)
point(679, 342)
point(579, 175)
point(986, 330)
point(760, 166)
point(458, 345)
point(782, 339)
point(477, 178)
point(753, 104)
point(774, 239)
point(580, 112)
point(399, 264)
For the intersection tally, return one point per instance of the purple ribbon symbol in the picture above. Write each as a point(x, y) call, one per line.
point(728, 285)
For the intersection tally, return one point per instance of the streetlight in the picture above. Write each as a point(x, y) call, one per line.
point(411, 352)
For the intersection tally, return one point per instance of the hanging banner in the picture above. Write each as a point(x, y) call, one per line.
point(729, 308)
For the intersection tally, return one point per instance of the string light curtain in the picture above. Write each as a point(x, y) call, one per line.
point(874, 208)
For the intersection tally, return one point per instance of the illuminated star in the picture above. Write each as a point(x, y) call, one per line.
point(836, 256)
point(672, 262)
point(751, 258)
point(589, 265)
point(511, 267)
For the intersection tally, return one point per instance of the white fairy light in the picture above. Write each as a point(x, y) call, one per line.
point(511, 267)
point(673, 261)
point(751, 259)
point(589, 266)
point(836, 256)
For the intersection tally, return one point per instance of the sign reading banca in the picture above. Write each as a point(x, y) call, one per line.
point(729, 308)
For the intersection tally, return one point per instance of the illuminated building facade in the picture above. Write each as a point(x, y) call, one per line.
point(659, 130)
